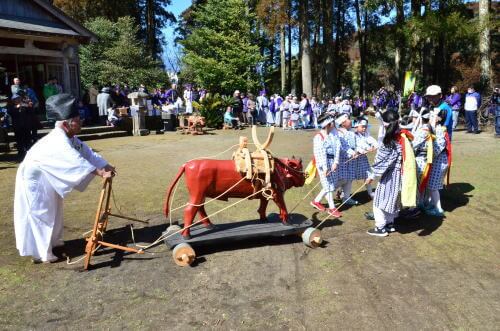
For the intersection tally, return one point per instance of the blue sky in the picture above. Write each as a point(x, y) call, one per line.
point(177, 7)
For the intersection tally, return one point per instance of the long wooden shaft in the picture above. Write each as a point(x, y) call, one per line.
point(122, 248)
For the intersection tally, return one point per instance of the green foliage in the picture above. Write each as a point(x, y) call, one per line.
point(219, 54)
point(212, 107)
point(434, 25)
point(118, 57)
point(150, 15)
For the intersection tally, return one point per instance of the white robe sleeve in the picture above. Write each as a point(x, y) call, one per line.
point(67, 171)
point(88, 154)
point(62, 163)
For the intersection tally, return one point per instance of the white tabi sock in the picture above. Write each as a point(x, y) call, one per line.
point(436, 200)
point(329, 198)
point(347, 190)
point(369, 189)
point(320, 195)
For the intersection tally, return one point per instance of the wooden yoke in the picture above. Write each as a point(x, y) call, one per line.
point(259, 162)
point(100, 224)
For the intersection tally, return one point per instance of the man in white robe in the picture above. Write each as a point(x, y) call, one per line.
point(56, 164)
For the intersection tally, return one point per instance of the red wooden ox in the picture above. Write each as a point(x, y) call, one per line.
point(211, 178)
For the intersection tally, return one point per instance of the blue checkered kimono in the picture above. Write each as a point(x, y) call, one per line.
point(419, 143)
point(440, 162)
point(387, 165)
point(364, 143)
point(347, 150)
point(326, 153)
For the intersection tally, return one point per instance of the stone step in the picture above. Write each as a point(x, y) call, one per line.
point(103, 135)
point(88, 130)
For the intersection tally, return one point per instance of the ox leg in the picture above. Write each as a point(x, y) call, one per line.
point(189, 214)
point(280, 202)
point(262, 209)
point(203, 216)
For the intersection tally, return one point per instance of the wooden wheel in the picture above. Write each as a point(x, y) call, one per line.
point(311, 237)
point(183, 254)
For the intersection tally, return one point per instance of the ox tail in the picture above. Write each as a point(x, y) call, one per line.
point(166, 203)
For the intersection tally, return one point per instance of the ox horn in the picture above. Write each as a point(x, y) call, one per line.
point(268, 140)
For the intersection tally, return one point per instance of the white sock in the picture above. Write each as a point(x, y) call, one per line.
point(380, 219)
point(369, 189)
point(436, 200)
point(320, 195)
point(329, 198)
point(347, 190)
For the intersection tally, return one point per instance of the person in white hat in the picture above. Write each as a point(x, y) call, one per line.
point(348, 155)
point(326, 147)
point(364, 145)
point(435, 98)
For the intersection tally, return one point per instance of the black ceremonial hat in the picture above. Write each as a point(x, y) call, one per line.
point(61, 107)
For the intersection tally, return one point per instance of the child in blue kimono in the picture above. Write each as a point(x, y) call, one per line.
point(387, 166)
point(326, 155)
point(364, 144)
point(347, 160)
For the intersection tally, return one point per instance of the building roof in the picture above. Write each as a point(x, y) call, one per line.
point(40, 17)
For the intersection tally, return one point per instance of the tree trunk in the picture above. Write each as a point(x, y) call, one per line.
point(289, 63)
point(282, 59)
point(328, 45)
point(400, 44)
point(306, 49)
point(317, 60)
point(272, 41)
point(415, 48)
point(484, 43)
point(361, 50)
point(426, 51)
point(440, 58)
point(151, 27)
point(416, 6)
point(338, 31)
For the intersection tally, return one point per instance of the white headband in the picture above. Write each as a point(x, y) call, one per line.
point(341, 119)
point(361, 123)
point(326, 122)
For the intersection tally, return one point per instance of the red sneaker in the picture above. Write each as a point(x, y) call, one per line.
point(334, 212)
point(317, 205)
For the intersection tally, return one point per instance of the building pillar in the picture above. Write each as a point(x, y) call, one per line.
point(66, 75)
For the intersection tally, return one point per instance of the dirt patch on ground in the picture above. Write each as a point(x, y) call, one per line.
point(431, 274)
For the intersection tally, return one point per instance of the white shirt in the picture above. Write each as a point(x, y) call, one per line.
point(470, 103)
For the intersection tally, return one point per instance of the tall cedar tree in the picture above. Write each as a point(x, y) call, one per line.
point(151, 16)
point(219, 54)
point(118, 57)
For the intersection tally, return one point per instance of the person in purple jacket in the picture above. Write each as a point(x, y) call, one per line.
point(454, 99)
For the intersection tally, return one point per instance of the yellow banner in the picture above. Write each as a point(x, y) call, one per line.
point(410, 81)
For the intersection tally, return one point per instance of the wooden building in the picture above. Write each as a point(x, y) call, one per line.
point(38, 41)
